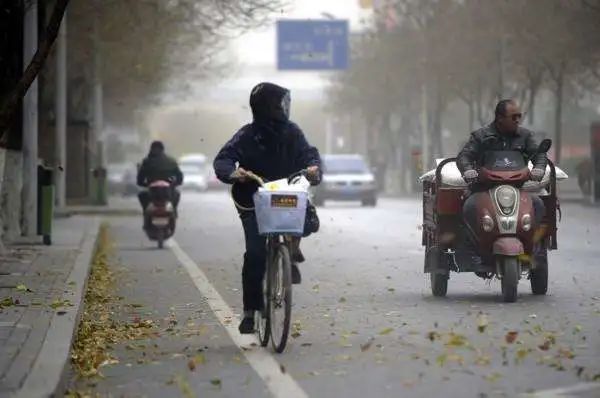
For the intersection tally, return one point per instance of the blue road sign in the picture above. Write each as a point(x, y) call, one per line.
point(312, 45)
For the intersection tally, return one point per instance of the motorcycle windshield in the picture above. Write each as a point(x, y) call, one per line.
point(504, 161)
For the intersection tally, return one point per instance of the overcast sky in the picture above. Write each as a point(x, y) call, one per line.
point(256, 51)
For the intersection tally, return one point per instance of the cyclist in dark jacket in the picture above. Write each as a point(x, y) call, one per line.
point(158, 166)
point(272, 147)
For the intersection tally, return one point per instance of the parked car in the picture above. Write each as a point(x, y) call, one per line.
point(346, 177)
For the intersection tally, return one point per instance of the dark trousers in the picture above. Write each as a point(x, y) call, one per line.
point(255, 258)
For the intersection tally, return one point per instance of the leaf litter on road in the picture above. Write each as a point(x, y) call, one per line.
point(456, 340)
point(22, 288)
point(367, 345)
point(493, 377)
point(184, 387)
point(386, 331)
point(482, 323)
point(296, 329)
point(511, 337)
point(98, 331)
point(7, 302)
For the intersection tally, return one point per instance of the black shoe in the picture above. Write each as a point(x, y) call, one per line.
point(296, 277)
point(247, 326)
point(297, 256)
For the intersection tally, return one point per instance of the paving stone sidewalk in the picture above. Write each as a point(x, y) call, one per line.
point(40, 290)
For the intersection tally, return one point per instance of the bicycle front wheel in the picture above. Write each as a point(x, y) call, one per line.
point(261, 318)
point(280, 297)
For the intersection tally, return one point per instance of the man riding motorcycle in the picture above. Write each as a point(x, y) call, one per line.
point(158, 166)
point(272, 147)
point(503, 134)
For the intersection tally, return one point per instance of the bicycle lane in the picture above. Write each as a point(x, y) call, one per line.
point(194, 348)
point(338, 306)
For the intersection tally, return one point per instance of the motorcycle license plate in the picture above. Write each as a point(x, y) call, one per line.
point(160, 221)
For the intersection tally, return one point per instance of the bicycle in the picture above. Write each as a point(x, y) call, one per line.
point(273, 322)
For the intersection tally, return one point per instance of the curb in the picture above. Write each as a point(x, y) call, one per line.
point(47, 372)
point(97, 212)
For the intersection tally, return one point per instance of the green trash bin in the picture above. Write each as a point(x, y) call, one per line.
point(100, 197)
point(45, 204)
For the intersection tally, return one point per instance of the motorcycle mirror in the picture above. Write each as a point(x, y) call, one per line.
point(545, 145)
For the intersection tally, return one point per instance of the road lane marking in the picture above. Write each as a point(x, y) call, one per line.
point(563, 392)
point(262, 361)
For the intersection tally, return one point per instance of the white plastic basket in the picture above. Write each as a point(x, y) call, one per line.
point(281, 212)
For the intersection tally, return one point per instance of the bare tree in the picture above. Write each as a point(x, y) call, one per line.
point(9, 103)
point(144, 45)
point(478, 52)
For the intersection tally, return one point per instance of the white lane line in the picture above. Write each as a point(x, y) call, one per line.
point(563, 392)
point(280, 384)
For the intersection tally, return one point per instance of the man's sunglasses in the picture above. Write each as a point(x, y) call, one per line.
point(516, 117)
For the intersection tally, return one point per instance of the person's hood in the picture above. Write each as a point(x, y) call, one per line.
point(270, 103)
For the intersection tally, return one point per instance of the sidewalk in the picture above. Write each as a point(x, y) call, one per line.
point(41, 291)
point(117, 206)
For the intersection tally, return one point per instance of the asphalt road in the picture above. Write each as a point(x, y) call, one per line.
point(365, 321)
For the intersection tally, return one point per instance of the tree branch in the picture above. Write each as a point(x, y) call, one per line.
point(11, 103)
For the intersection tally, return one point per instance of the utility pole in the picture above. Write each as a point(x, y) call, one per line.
point(30, 124)
point(61, 116)
point(97, 141)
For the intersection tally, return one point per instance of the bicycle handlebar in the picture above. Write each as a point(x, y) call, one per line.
point(261, 181)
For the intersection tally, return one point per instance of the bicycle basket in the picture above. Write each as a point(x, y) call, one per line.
point(282, 212)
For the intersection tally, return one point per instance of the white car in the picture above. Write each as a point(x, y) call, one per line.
point(195, 172)
point(194, 178)
point(346, 177)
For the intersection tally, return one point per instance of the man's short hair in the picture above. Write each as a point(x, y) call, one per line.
point(501, 107)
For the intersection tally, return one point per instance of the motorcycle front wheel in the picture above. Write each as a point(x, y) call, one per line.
point(511, 272)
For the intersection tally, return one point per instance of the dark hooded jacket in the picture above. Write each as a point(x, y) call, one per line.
point(271, 146)
point(158, 166)
point(488, 138)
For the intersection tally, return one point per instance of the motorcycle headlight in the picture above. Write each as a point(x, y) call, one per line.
point(487, 223)
point(526, 222)
point(507, 198)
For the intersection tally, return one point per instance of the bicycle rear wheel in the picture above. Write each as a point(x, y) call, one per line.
point(280, 297)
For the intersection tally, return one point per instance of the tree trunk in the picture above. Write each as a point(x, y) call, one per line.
point(10, 199)
point(2, 163)
point(558, 114)
point(531, 110)
point(501, 51)
point(471, 116)
point(478, 102)
point(437, 143)
point(10, 104)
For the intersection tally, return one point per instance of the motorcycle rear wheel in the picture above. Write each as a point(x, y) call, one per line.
point(439, 284)
point(539, 276)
